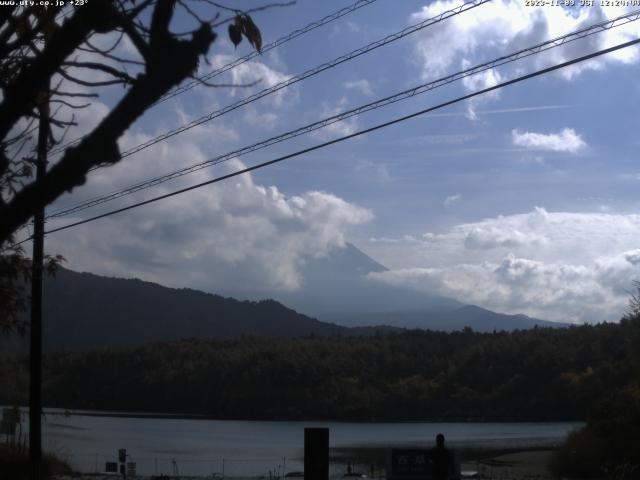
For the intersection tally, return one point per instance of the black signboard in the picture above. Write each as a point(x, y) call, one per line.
point(111, 467)
point(416, 464)
point(410, 463)
point(316, 453)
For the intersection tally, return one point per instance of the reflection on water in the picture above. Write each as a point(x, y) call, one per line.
point(246, 448)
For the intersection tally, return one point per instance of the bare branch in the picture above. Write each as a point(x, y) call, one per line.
point(25, 131)
point(19, 94)
point(85, 83)
point(251, 10)
point(136, 11)
point(71, 105)
point(129, 28)
point(63, 123)
point(15, 25)
point(193, 14)
point(102, 67)
point(221, 7)
point(107, 50)
point(111, 56)
point(77, 94)
point(24, 142)
point(171, 62)
point(633, 309)
point(64, 132)
point(227, 85)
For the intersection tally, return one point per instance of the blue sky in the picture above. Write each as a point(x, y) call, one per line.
point(522, 201)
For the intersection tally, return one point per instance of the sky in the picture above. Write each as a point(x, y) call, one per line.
point(522, 200)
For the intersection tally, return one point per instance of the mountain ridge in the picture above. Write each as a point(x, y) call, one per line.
point(85, 310)
point(337, 288)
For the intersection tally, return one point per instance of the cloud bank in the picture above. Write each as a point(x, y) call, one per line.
point(233, 236)
point(554, 265)
point(505, 26)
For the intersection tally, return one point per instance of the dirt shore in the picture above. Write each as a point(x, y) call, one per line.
point(521, 465)
point(525, 465)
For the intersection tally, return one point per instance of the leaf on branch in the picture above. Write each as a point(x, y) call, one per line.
point(235, 35)
point(244, 23)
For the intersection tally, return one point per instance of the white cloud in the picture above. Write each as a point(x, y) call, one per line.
point(499, 28)
point(494, 237)
point(344, 127)
point(363, 86)
point(554, 291)
point(235, 235)
point(481, 81)
point(378, 169)
point(452, 199)
point(554, 265)
point(565, 141)
point(232, 236)
point(250, 72)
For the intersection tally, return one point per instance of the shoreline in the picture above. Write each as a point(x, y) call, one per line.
point(488, 464)
point(59, 411)
point(209, 447)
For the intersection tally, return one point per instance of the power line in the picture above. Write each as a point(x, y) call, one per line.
point(239, 61)
point(310, 73)
point(307, 74)
point(353, 135)
point(425, 87)
point(280, 41)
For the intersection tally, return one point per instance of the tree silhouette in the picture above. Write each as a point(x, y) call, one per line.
point(29, 64)
point(49, 64)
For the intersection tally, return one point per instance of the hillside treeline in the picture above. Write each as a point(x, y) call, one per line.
point(533, 375)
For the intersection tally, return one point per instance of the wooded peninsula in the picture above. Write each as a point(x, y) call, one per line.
point(540, 374)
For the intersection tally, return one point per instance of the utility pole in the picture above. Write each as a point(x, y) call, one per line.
point(35, 357)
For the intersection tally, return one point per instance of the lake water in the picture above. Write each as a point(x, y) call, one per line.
point(248, 448)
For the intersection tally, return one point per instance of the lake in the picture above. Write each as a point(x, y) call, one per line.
point(251, 448)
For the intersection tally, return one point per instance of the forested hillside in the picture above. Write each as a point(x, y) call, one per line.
point(83, 311)
point(539, 374)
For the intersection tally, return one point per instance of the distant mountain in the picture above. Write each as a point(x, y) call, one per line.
point(479, 319)
point(82, 311)
point(336, 288)
point(483, 320)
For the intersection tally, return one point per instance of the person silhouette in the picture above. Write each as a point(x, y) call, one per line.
point(441, 460)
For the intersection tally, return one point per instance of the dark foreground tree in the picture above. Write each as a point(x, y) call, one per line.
point(49, 61)
point(609, 444)
point(35, 48)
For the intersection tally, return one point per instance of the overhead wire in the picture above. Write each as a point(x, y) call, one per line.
point(310, 73)
point(266, 48)
point(239, 61)
point(307, 74)
point(353, 135)
point(403, 95)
